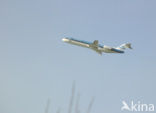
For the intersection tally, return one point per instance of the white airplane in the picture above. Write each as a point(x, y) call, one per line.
point(97, 47)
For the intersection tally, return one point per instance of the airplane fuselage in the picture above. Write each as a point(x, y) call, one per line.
point(98, 48)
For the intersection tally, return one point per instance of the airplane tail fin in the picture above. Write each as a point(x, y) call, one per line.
point(124, 46)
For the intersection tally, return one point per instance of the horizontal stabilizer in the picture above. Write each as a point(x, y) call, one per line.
point(124, 46)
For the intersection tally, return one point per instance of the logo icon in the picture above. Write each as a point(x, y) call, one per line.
point(125, 106)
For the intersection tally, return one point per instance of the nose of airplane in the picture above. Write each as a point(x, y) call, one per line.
point(65, 40)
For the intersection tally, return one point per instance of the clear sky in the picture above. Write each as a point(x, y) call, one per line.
point(37, 65)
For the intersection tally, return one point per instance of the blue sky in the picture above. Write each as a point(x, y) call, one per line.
point(37, 65)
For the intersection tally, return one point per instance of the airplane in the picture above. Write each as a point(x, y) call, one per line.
point(97, 47)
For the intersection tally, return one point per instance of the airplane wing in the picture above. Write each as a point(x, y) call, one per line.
point(96, 42)
point(94, 46)
point(99, 52)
